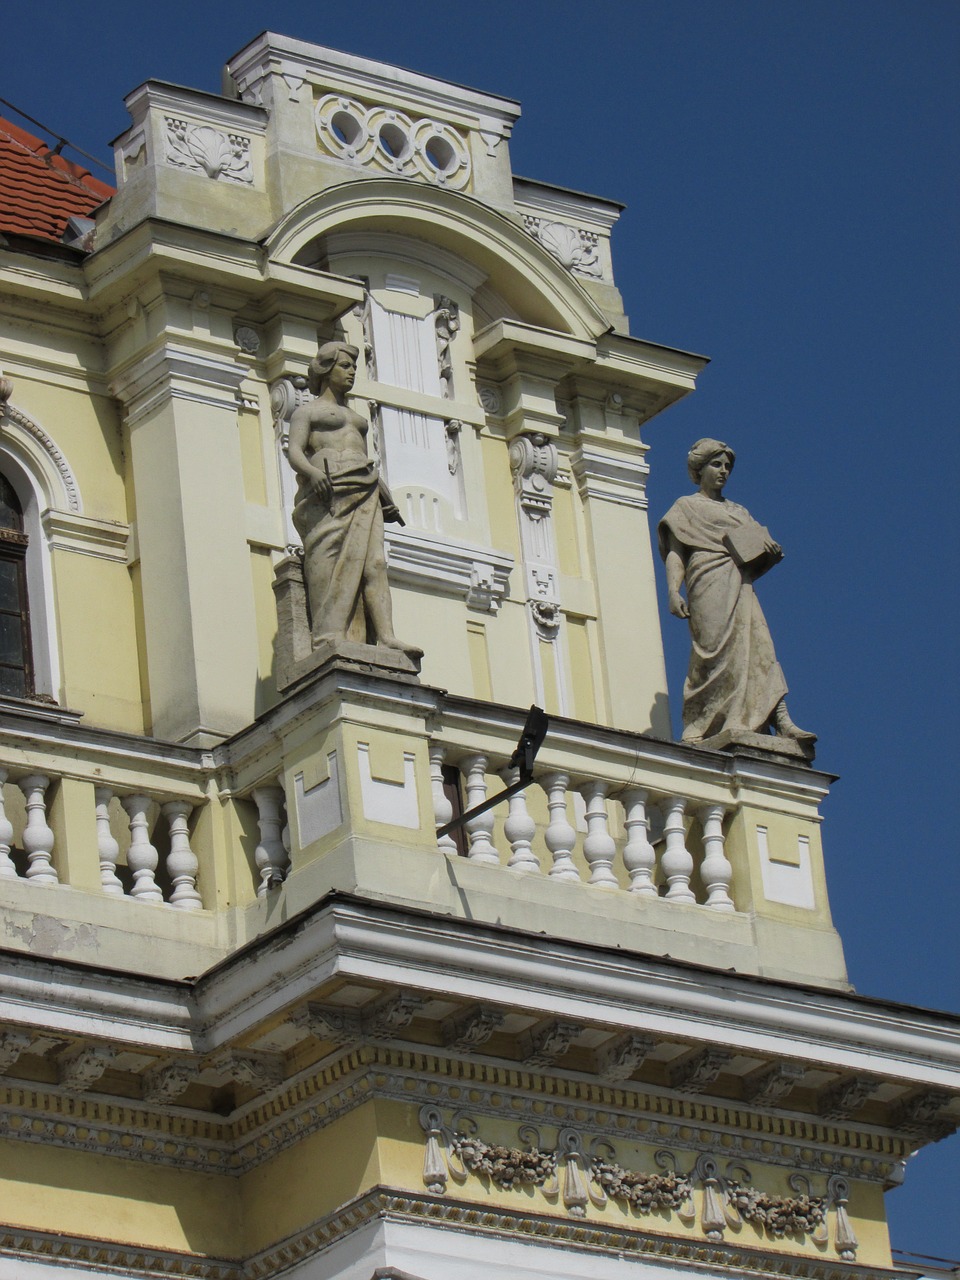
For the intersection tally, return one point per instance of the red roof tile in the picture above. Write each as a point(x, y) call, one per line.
point(39, 190)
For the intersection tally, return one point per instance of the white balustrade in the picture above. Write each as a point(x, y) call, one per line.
point(272, 856)
point(442, 805)
point(639, 855)
point(8, 870)
point(676, 862)
point(519, 828)
point(662, 869)
point(182, 864)
point(107, 846)
point(479, 828)
point(37, 835)
point(715, 870)
point(560, 835)
point(599, 847)
point(142, 857)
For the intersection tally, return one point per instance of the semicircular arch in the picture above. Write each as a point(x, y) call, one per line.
point(521, 271)
point(35, 450)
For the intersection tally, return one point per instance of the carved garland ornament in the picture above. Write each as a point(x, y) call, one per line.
point(727, 1200)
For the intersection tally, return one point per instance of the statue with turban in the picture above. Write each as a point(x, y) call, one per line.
point(734, 683)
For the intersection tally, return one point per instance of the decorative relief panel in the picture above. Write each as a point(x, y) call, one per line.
point(392, 141)
point(579, 1174)
point(201, 148)
point(573, 247)
point(533, 463)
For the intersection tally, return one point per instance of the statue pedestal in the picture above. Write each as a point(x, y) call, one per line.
point(297, 658)
point(761, 745)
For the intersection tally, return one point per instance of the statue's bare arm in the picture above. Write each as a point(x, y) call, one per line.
point(300, 424)
point(673, 564)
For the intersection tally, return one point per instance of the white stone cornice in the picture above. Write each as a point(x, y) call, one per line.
point(281, 55)
point(599, 988)
point(212, 108)
point(480, 575)
point(610, 477)
point(179, 373)
point(69, 531)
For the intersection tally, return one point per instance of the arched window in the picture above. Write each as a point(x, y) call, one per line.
point(16, 665)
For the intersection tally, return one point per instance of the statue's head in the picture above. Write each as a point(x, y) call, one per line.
point(702, 452)
point(327, 356)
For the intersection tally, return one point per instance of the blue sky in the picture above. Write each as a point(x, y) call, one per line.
point(790, 170)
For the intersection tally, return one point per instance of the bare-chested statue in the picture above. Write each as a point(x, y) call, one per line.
point(340, 508)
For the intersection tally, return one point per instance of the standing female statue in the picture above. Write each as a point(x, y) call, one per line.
point(734, 682)
point(339, 511)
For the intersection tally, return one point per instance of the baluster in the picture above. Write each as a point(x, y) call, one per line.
point(271, 856)
point(519, 828)
point(560, 836)
point(598, 845)
point(639, 856)
point(142, 857)
point(442, 805)
point(7, 869)
point(37, 836)
point(107, 846)
point(480, 828)
point(182, 864)
point(715, 871)
point(676, 861)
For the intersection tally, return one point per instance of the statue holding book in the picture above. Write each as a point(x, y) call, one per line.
point(339, 511)
point(715, 548)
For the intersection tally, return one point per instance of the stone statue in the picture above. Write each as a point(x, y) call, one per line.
point(734, 684)
point(340, 507)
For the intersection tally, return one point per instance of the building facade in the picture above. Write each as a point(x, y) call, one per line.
point(257, 1018)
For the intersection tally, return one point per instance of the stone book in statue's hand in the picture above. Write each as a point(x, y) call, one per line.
point(750, 547)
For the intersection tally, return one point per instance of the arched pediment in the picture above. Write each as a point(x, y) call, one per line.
point(522, 272)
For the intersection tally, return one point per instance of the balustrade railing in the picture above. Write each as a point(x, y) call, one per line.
point(607, 844)
point(128, 866)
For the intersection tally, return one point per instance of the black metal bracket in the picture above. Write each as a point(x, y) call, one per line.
point(531, 740)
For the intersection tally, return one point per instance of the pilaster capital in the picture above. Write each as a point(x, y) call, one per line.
point(173, 372)
point(608, 475)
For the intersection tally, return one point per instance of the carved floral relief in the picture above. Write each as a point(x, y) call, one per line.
point(201, 148)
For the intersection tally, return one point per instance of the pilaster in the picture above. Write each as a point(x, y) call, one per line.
point(181, 424)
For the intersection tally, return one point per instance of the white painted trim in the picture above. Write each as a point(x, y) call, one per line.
point(105, 539)
point(423, 560)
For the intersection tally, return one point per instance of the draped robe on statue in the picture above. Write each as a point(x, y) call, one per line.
point(340, 543)
point(734, 680)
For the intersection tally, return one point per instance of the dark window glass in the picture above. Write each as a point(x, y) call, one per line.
point(16, 674)
point(11, 513)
